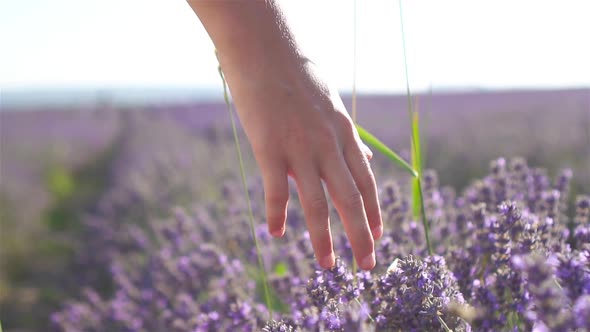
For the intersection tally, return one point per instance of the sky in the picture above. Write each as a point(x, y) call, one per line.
point(450, 44)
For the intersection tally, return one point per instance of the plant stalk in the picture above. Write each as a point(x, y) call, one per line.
point(261, 267)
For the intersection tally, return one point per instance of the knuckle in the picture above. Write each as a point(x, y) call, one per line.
point(318, 207)
point(328, 154)
point(353, 200)
point(326, 140)
point(346, 128)
point(366, 180)
point(346, 124)
point(297, 136)
point(276, 198)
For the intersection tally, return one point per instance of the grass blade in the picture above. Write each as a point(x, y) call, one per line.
point(418, 197)
point(416, 160)
point(424, 221)
point(381, 147)
point(261, 267)
point(415, 133)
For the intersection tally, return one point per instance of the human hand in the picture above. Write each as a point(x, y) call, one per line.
point(299, 127)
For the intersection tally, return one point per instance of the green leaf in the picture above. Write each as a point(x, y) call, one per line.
point(281, 269)
point(381, 147)
point(60, 182)
point(416, 164)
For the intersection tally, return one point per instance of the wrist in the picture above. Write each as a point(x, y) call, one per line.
point(251, 37)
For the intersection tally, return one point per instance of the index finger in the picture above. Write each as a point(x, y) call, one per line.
point(349, 203)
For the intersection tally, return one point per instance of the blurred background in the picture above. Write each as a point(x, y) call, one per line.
point(112, 113)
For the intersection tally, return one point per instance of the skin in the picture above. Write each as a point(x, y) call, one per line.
point(297, 126)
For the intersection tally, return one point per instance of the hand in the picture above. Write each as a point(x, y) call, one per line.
point(299, 127)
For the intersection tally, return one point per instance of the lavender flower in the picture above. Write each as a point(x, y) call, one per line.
point(547, 298)
point(278, 326)
point(414, 295)
point(493, 241)
point(582, 312)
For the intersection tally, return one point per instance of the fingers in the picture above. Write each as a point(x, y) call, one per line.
point(276, 195)
point(364, 179)
point(315, 209)
point(349, 203)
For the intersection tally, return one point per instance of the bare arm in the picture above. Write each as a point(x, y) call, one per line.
point(297, 126)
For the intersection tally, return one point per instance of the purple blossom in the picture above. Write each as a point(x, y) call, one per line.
point(277, 326)
point(582, 312)
point(491, 273)
point(413, 295)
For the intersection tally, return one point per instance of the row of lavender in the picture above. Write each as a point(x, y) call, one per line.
point(78, 183)
point(508, 257)
point(41, 156)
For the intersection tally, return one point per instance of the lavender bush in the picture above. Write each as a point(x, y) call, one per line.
point(51, 165)
point(76, 184)
point(507, 257)
point(176, 170)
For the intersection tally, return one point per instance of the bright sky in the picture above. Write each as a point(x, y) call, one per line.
point(450, 44)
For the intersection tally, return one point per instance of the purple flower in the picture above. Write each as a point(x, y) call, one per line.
point(278, 326)
point(582, 312)
point(335, 283)
point(574, 275)
point(414, 295)
point(504, 260)
point(547, 299)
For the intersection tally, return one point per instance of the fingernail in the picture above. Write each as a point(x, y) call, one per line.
point(368, 262)
point(377, 232)
point(328, 261)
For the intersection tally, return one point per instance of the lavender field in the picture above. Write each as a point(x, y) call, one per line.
point(128, 218)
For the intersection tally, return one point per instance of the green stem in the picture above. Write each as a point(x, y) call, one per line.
point(401, 18)
point(424, 221)
point(415, 140)
point(267, 297)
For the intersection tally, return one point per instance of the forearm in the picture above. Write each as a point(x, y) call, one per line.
point(251, 36)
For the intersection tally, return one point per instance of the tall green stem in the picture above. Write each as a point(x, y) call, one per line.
point(418, 196)
point(261, 267)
